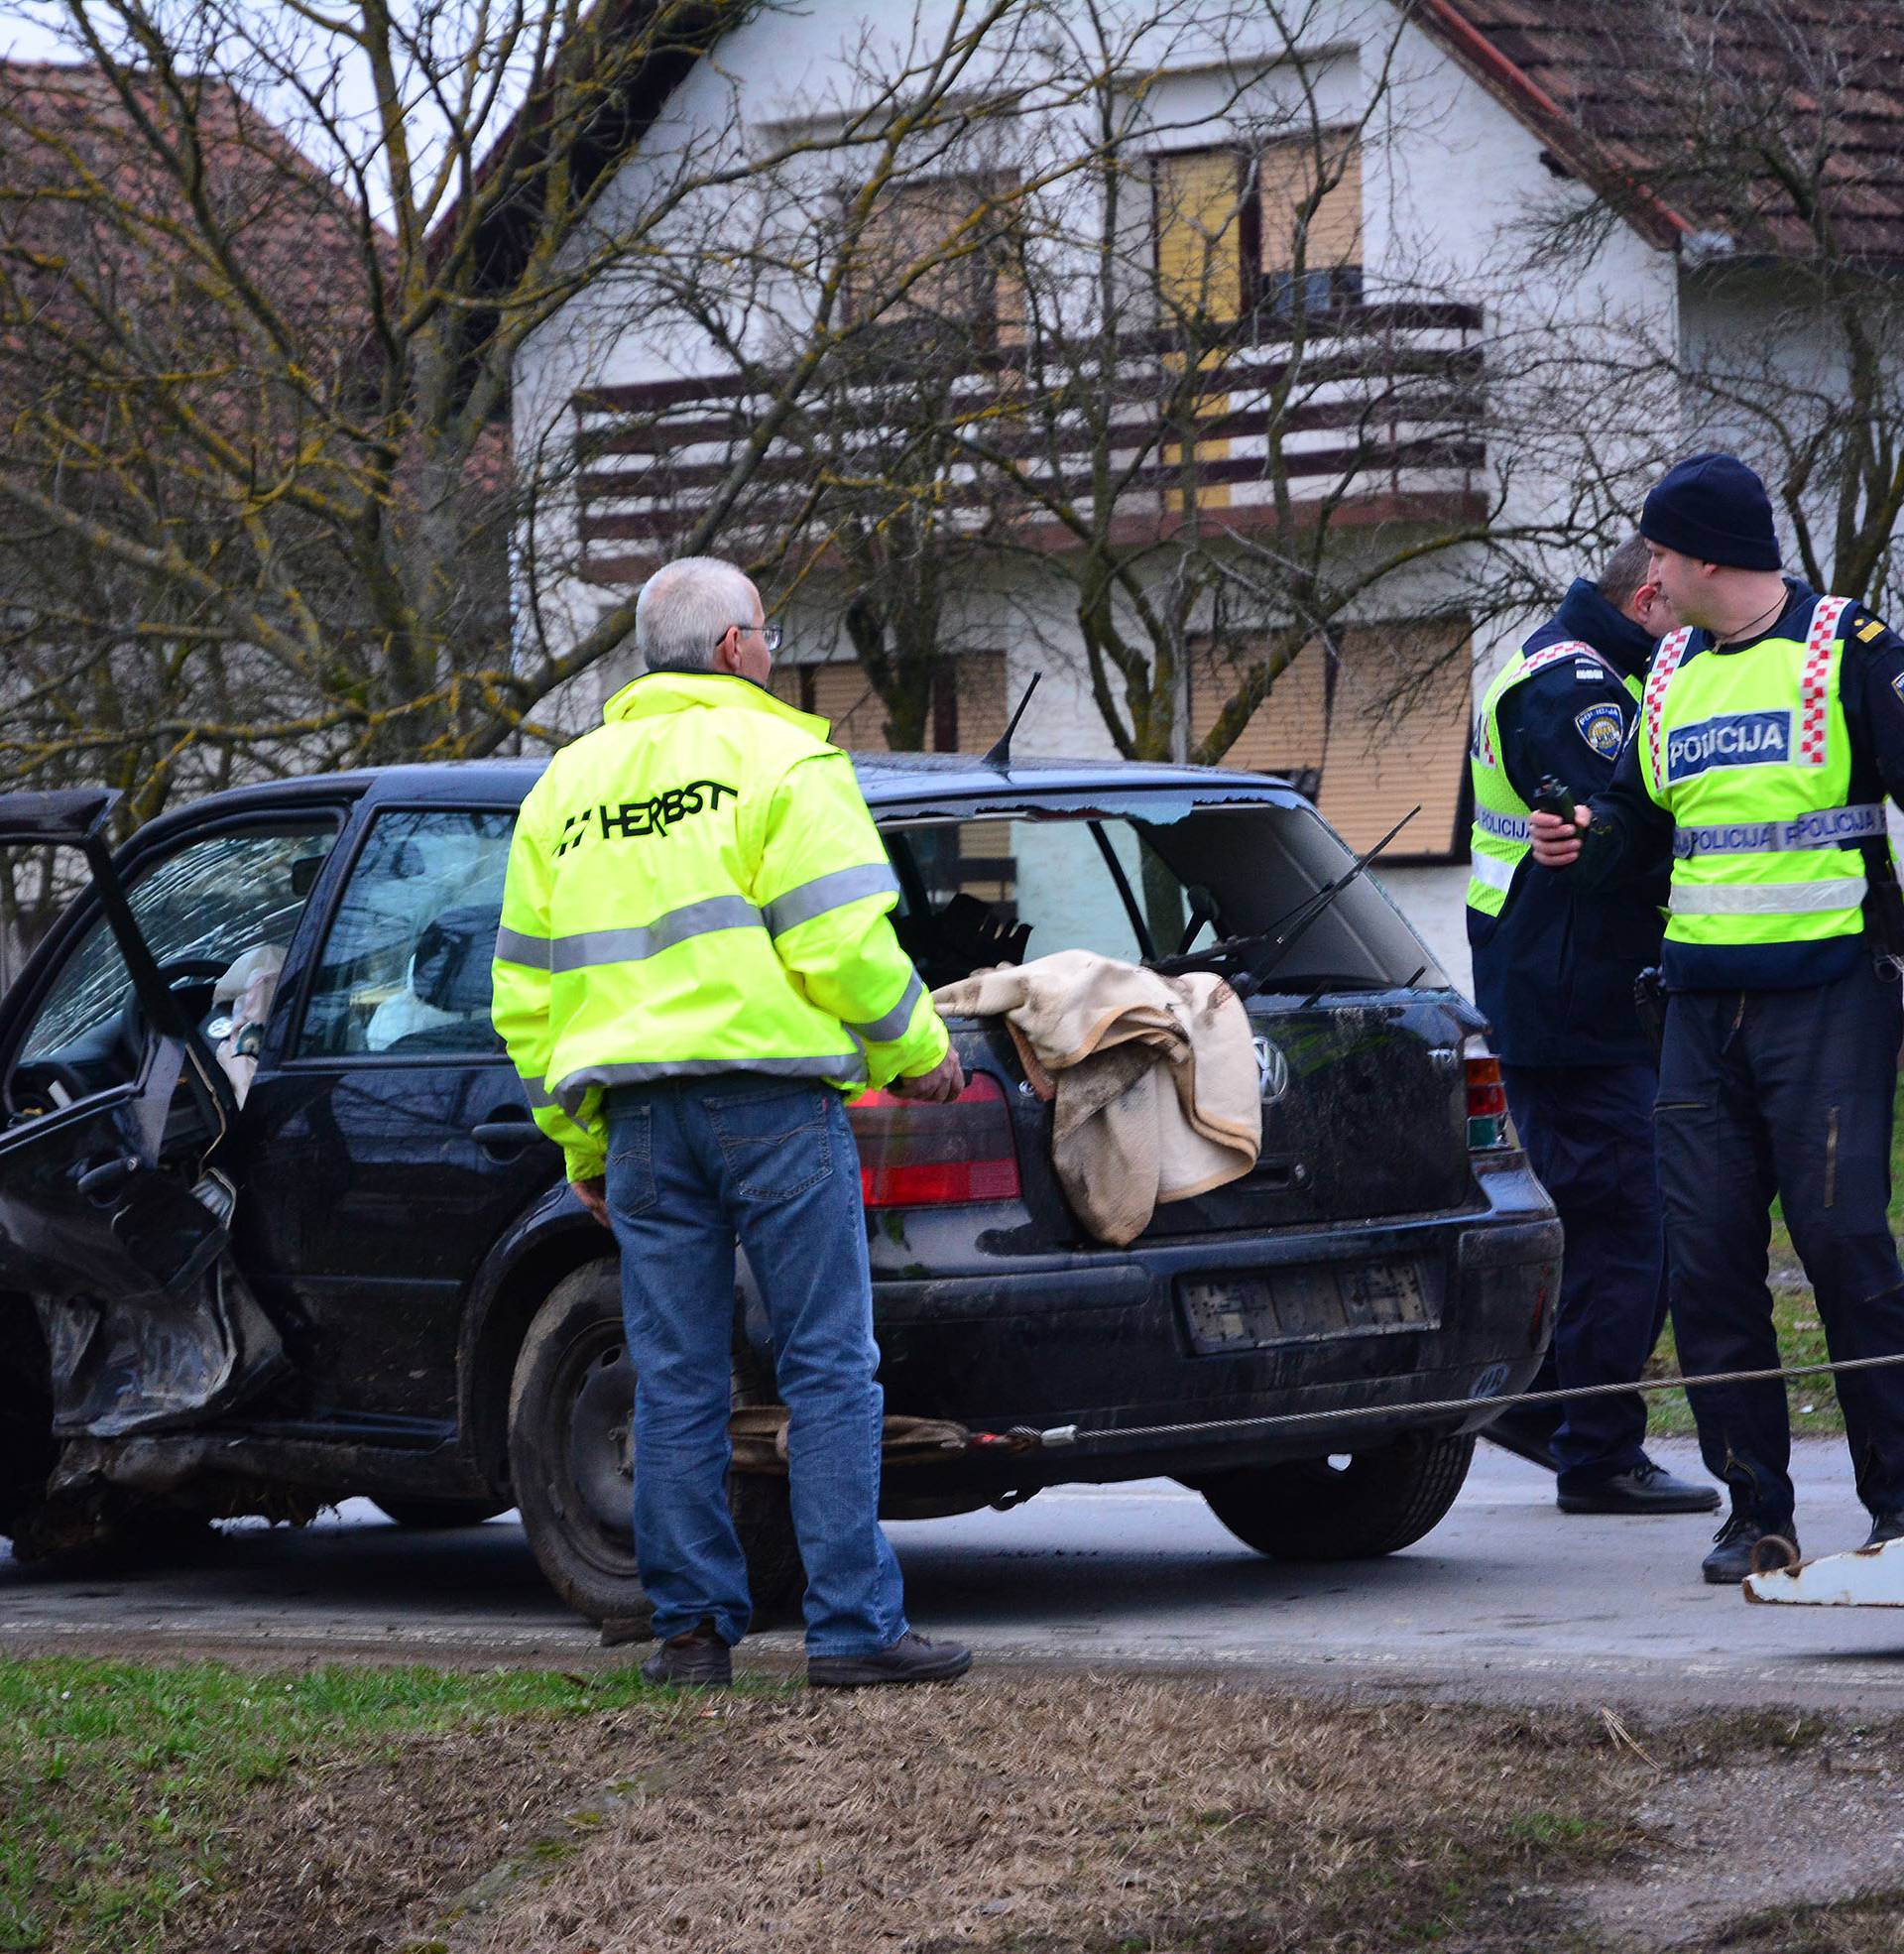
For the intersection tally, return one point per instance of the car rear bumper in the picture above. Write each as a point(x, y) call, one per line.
point(1102, 1342)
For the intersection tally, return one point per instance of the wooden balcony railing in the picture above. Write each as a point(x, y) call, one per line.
point(1375, 416)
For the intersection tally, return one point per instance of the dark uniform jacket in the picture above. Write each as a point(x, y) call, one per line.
point(1555, 970)
point(1631, 836)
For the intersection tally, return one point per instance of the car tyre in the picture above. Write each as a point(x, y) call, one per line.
point(571, 1407)
point(1383, 1499)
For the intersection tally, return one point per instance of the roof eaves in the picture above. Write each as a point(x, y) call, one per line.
point(623, 120)
point(1596, 162)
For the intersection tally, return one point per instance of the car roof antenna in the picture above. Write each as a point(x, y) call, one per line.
point(1000, 757)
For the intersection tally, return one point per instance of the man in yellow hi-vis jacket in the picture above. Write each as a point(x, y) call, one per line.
point(695, 965)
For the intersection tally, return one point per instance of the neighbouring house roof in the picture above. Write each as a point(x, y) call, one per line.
point(81, 189)
point(1659, 105)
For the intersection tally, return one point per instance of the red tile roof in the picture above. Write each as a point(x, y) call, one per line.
point(1673, 109)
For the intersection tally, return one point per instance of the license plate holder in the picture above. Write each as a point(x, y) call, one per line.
point(1305, 1304)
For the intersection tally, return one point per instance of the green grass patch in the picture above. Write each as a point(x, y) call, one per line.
point(124, 1786)
point(1801, 1336)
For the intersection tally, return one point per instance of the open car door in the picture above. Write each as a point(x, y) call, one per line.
point(113, 1215)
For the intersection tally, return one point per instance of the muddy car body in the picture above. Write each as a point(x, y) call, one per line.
point(276, 1228)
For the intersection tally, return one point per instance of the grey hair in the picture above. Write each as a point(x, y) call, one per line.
point(684, 611)
point(1627, 570)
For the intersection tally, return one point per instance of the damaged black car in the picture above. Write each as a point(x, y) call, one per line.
point(277, 1229)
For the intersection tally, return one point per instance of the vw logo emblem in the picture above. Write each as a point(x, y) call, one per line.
point(1273, 1071)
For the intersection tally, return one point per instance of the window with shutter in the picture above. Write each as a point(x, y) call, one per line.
point(1287, 734)
point(1379, 761)
point(1325, 728)
point(1309, 259)
point(936, 258)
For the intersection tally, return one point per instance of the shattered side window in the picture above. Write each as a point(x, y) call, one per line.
point(216, 901)
point(982, 892)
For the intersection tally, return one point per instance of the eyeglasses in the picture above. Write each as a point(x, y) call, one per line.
point(772, 636)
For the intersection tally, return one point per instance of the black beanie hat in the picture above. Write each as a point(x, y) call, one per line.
point(1712, 508)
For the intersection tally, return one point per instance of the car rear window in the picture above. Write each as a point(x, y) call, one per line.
point(982, 890)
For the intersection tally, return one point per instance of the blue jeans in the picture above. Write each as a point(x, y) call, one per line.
point(692, 1164)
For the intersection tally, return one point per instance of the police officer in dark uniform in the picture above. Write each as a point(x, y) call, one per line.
point(1554, 970)
point(1771, 727)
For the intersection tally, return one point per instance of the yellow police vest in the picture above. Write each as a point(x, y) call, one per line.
point(1749, 753)
point(1501, 836)
point(698, 888)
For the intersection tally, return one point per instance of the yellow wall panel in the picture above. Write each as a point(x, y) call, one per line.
point(1199, 232)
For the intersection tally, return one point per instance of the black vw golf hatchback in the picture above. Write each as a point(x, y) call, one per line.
point(276, 1228)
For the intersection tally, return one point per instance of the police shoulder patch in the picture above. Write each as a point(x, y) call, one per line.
point(1897, 686)
point(1602, 728)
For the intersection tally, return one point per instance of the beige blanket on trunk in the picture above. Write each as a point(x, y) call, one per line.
point(1158, 1096)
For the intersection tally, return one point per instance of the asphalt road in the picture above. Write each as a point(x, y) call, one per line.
point(1507, 1600)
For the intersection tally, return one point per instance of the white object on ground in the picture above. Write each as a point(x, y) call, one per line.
point(1866, 1577)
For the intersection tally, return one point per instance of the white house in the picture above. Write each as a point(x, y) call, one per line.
point(1485, 376)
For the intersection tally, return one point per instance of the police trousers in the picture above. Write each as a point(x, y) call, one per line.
point(1787, 1093)
point(1588, 1134)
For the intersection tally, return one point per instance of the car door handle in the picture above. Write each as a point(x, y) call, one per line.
point(516, 1133)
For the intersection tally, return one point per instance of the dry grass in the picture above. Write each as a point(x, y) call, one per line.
point(1872, 1925)
point(1082, 1814)
point(210, 1810)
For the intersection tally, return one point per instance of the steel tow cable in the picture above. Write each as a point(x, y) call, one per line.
point(1024, 1438)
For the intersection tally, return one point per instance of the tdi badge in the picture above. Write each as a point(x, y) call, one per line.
point(1602, 728)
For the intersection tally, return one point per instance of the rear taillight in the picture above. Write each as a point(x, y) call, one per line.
point(914, 1154)
point(1487, 1098)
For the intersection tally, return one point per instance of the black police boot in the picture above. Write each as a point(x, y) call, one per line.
point(1885, 1526)
point(912, 1659)
point(1736, 1542)
point(695, 1660)
point(1647, 1488)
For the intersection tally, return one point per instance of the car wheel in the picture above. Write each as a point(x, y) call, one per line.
point(1374, 1503)
point(572, 1465)
point(432, 1515)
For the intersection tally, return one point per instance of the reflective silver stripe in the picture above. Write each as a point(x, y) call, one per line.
point(538, 1094)
point(1503, 828)
point(894, 1024)
point(589, 947)
point(848, 1067)
point(1823, 827)
point(1493, 874)
point(512, 946)
point(829, 891)
point(1841, 891)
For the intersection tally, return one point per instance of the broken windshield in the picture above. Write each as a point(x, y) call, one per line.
point(214, 901)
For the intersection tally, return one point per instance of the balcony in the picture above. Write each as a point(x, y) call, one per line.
point(1373, 416)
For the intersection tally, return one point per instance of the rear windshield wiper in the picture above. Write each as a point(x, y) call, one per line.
point(1248, 961)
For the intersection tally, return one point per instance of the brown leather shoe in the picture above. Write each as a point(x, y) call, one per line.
point(697, 1659)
